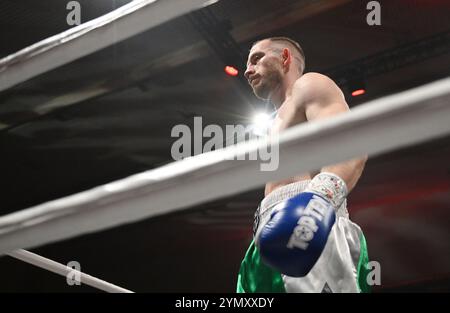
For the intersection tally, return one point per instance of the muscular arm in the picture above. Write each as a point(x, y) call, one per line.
point(319, 97)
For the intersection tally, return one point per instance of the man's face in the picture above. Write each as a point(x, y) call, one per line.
point(264, 70)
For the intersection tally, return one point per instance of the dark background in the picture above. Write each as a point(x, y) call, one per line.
point(109, 115)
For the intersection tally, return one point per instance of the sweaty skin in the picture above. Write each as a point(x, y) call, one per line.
point(274, 74)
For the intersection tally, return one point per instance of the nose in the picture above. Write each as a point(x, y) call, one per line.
point(248, 72)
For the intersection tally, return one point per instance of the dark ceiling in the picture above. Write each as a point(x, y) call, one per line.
point(110, 115)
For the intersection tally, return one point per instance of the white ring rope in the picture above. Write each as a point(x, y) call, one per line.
point(124, 22)
point(379, 126)
point(128, 20)
point(55, 267)
point(382, 125)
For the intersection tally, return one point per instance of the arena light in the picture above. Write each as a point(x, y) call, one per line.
point(357, 87)
point(231, 70)
point(358, 92)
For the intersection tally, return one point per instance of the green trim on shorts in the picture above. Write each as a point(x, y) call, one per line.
point(255, 276)
point(363, 268)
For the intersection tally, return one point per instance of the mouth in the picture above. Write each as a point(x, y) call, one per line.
point(255, 80)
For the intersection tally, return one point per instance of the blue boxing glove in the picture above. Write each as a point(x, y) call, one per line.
point(296, 234)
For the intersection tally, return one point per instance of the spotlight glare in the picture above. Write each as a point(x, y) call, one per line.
point(261, 124)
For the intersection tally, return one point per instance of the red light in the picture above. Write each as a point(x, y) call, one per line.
point(232, 71)
point(358, 92)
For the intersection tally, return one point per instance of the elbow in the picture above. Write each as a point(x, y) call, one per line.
point(365, 158)
point(358, 168)
point(363, 161)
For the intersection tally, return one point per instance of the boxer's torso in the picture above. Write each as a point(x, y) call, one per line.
point(287, 116)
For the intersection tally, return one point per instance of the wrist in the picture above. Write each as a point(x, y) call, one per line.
point(330, 186)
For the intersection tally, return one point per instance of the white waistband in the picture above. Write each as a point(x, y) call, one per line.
point(291, 190)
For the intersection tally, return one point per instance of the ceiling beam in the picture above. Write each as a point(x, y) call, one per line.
point(283, 17)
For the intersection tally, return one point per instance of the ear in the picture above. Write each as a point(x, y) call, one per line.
point(287, 58)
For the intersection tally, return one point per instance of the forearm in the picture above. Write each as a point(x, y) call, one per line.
point(350, 171)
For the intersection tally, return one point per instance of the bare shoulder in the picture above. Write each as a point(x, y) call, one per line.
point(315, 86)
point(313, 77)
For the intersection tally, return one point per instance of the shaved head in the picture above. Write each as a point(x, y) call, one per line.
point(280, 43)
